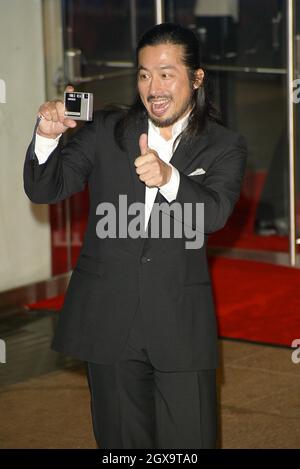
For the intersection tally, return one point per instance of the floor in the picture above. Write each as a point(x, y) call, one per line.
point(259, 396)
point(44, 397)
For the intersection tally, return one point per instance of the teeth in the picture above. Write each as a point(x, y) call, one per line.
point(161, 101)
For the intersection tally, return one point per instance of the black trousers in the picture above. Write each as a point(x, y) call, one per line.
point(135, 405)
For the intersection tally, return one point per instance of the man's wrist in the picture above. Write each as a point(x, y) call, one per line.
point(170, 190)
point(42, 134)
point(169, 174)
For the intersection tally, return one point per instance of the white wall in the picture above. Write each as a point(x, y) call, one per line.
point(24, 228)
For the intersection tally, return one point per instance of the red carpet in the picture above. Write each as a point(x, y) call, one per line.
point(255, 301)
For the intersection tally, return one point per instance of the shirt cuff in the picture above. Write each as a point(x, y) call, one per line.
point(169, 190)
point(44, 147)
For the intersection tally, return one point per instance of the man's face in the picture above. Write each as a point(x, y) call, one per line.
point(163, 83)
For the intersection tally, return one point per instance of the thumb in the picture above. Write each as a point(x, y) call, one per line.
point(143, 142)
point(69, 89)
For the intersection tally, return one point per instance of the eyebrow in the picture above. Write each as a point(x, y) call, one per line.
point(163, 67)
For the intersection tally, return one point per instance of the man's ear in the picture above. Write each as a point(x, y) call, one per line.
point(199, 76)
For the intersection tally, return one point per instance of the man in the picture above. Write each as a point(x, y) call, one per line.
point(139, 310)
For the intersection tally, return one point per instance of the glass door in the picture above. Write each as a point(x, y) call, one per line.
point(244, 52)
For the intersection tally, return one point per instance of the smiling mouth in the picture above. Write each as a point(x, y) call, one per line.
point(159, 106)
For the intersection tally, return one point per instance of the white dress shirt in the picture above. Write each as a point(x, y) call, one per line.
point(164, 148)
point(45, 146)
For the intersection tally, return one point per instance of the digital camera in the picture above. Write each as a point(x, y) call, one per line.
point(79, 106)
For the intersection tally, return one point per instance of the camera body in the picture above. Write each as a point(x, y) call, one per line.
point(79, 105)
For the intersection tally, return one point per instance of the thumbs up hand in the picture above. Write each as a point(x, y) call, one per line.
point(151, 170)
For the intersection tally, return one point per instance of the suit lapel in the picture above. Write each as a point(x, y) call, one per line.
point(188, 150)
point(133, 151)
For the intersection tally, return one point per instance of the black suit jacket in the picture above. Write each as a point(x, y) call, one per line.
point(115, 276)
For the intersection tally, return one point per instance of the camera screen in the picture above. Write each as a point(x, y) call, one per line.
point(73, 103)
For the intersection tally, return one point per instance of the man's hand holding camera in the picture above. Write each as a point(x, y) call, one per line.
point(54, 122)
point(151, 170)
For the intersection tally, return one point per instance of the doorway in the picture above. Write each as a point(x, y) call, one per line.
point(244, 50)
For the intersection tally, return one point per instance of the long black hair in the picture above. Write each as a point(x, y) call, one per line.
point(203, 109)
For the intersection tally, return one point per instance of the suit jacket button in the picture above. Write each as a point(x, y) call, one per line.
point(145, 259)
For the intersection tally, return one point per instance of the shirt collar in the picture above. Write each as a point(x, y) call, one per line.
point(177, 128)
